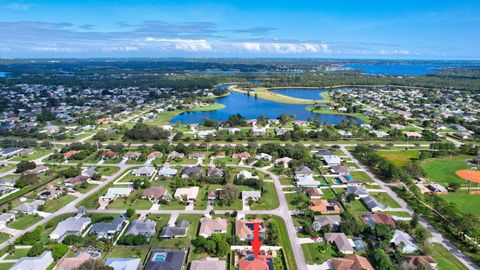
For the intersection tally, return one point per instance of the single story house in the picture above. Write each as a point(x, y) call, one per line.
point(307, 181)
point(241, 155)
point(414, 262)
point(144, 227)
point(244, 229)
point(263, 156)
point(34, 263)
point(144, 171)
point(154, 193)
point(214, 172)
point(72, 225)
point(132, 155)
point(340, 170)
point(28, 208)
point(325, 206)
point(331, 220)
point(72, 263)
point(178, 230)
point(283, 160)
point(332, 160)
point(208, 264)
point(167, 171)
point(196, 156)
point(244, 174)
point(314, 192)
point(114, 192)
point(341, 241)
point(404, 241)
point(6, 218)
point(377, 218)
point(303, 171)
point(210, 226)
point(107, 230)
point(154, 155)
point(123, 263)
point(357, 191)
point(191, 172)
point(175, 155)
point(173, 260)
point(353, 262)
point(372, 204)
point(187, 194)
point(76, 180)
point(251, 195)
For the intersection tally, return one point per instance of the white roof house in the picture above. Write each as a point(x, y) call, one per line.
point(34, 263)
point(246, 175)
point(264, 156)
point(307, 181)
point(404, 240)
point(189, 193)
point(123, 263)
point(205, 133)
point(251, 194)
point(71, 225)
point(332, 160)
point(145, 171)
point(167, 171)
point(113, 193)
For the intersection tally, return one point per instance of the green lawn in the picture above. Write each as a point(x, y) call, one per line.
point(161, 221)
point(400, 158)
point(6, 266)
point(384, 198)
point(201, 203)
point(54, 205)
point(85, 189)
point(465, 202)
point(107, 170)
point(397, 213)
point(191, 234)
point(445, 260)
point(362, 176)
point(132, 201)
point(269, 198)
point(173, 205)
point(36, 154)
point(24, 222)
point(442, 170)
point(128, 252)
point(19, 253)
point(4, 237)
point(318, 253)
point(356, 206)
point(7, 168)
point(328, 194)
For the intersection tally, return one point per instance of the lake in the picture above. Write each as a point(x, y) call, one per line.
point(406, 69)
point(3, 74)
point(251, 107)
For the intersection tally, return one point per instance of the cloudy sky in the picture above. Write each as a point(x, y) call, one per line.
point(420, 29)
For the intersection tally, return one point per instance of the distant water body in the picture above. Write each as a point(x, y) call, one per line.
point(251, 107)
point(405, 69)
point(3, 74)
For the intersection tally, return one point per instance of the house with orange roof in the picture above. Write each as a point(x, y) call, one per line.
point(71, 153)
point(260, 263)
point(354, 262)
point(325, 206)
point(241, 155)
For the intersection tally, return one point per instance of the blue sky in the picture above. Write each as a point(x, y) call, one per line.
point(326, 29)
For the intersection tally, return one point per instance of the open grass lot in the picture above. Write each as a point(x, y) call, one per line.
point(107, 170)
point(6, 266)
point(397, 213)
point(132, 201)
point(161, 221)
point(328, 194)
point(19, 253)
point(54, 205)
point(7, 168)
point(362, 176)
point(128, 252)
point(356, 206)
point(318, 253)
point(269, 198)
point(36, 154)
point(468, 203)
point(85, 189)
point(24, 222)
point(202, 201)
point(4, 237)
point(445, 260)
point(384, 198)
point(191, 234)
point(400, 158)
point(442, 170)
point(91, 202)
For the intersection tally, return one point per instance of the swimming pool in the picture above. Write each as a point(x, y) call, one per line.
point(159, 256)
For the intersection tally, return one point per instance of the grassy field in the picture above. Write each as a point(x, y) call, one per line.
point(6, 266)
point(466, 202)
point(24, 222)
point(362, 176)
point(4, 237)
point(360, 116)
point(7, 168)
point(314, 254)
point(263, 93)
point(128, 252)
point(36, 154)
point(442, 170)
point(132, 201)
point(19, 253)
point(398, 214)
point(445, 260)
point(54, 205)
point(356, 206)
point(269, 198)
point(400, 158)
point(384, 198)
point(107, 170)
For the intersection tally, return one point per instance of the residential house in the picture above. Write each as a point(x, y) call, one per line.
point(107, 230)
point(372, 204)
point(329, 220)
point(144, 227)
point(303, 171)
point(404, 242)
point(123, 263)
point(340, 170)
point(307, 181)
point(72, 263)
point(259, 131)
point(436, 188)
point(210, 226)
point(132, 155)
point(280, 131)
point(144, 171)
point(283, 160)
point(314, 192)
point(51, 193)
point(188, 194)
point(377, 218)
point(380, 133)
point(208, 264)
point(332, 160)
point(323, 153)
point(41, 262)
point(341, 241)
point(28, 208)
point(191, 172)
point(176, 155)
point(244, 229)
point(10, 151)
point(244, 174)
point(6, 218)
point(325, 206)
point(353, 262)
point(173, 260)
point(357, 191)
point(263, 156)
point(155, 155)
point(76, 180)
point(109, 154)
point(232, 131)
point(205, 133)
point(214, 172)
point(196, 156)
point(251, 195)
point(412, 134)
point(167, 172)
point(72, 225)
point(178, 230)
point(71, 153)
point(416, 262)
point(115, 192)
point(261, 262)
point(241, 155)
point(154, 194)
point(37, 170)
point(214, 194)
point(217, 155)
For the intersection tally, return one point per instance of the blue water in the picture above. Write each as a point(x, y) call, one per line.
point(251, 107)
point(313, 94)
point(412, 69)
point(159, 257)
point(3, 74)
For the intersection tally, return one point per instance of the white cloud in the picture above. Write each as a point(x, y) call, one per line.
point(193, 45)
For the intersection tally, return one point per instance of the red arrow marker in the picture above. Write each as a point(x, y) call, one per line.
point(256, 243)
